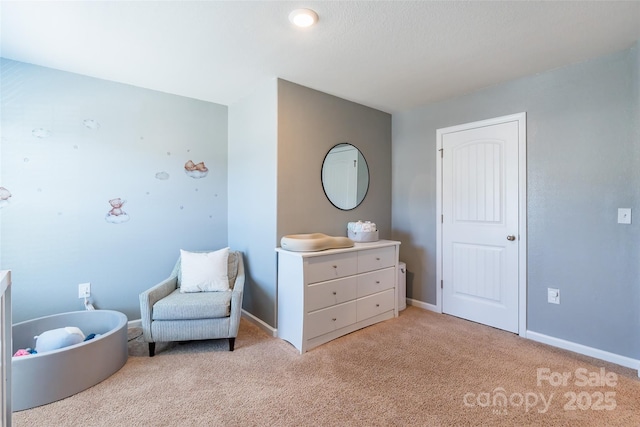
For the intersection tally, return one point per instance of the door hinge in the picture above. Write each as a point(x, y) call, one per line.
point(441, 284)
point(442, 218)
point(441, 152)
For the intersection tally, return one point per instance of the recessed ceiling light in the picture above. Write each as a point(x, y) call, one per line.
point(303, 17)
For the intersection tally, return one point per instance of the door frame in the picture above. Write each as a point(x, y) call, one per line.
point(521, 118)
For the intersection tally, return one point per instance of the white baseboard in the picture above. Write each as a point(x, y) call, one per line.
point(134, 324)
point(585, 350)
point(625, 361)
point(259, 323)
point(423, 305)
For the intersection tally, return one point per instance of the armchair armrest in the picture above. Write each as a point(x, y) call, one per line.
point(150, 297)
point(236, 299)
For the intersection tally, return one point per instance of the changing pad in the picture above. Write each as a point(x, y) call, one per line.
point(314, 242)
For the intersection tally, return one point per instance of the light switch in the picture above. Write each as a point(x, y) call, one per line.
point(624, 215)
point(553, 296)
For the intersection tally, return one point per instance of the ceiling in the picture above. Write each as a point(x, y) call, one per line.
point(389, 55)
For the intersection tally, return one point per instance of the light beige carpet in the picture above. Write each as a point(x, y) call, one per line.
point(420, 369)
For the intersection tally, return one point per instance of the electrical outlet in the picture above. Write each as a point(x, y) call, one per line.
point(84, 290)
point(624, 215)
point(553, 296)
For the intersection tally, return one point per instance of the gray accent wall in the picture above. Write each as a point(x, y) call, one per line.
point(71, 146)
point(310, 123)
point(583, 164)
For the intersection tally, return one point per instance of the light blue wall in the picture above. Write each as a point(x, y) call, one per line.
point(253, 138)
point(54, 228)
point(583, 164)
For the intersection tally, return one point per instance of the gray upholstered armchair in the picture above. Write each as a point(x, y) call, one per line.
point(169, 315)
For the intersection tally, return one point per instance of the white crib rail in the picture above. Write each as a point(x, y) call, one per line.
point(6, 346)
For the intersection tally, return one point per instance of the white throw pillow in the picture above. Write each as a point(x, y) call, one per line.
point(204, 272)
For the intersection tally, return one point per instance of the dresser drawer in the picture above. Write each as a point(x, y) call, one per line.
point(329, 319)
point(375, 259)
point(332, 292)
point(375, 304)
point(321, 268)
point(375, 281)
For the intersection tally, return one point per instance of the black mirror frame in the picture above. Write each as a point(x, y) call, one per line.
point(364, 196)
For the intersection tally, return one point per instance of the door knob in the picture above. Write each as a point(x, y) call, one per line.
point(511, 238)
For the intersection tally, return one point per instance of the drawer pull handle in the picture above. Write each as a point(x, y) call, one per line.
point(377, 259)
point(335, 293)
point(377, 281)
point(334, 319)
point(377, 305)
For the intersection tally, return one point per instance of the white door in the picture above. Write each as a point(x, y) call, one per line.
point(480, 230)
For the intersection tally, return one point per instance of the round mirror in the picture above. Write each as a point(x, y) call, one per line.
point(345, 176)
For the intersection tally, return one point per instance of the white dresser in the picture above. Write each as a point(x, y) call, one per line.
point(324, 295)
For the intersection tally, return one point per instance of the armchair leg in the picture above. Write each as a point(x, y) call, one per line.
point(152, 349)
point(232, 342)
